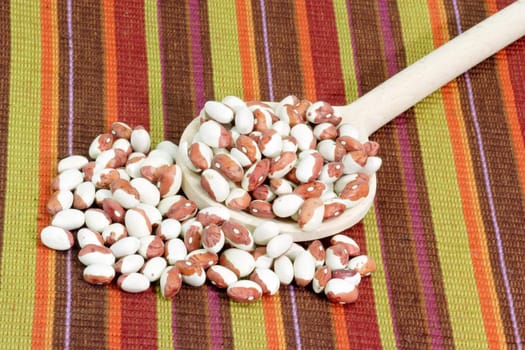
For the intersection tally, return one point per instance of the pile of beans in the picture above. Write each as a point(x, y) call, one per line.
point(122, 207)
point(293, 159)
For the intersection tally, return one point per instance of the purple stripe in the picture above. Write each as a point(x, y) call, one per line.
point(70, 78)
point(214, 310)
point(486, 179)
point(196, 54)
point(267, 50)
point(296, 328)
point(67, 336)
point(162, 70)
point(378, 217)
point(423, 263)
point(434, 323)
point(295, 318)
point(388, 38)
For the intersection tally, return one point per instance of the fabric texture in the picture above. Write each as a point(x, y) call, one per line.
point(447, 227)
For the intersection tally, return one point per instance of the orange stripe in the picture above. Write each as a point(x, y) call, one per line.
point(306, 51)
point(279, 321)
point(439, 33)
point(250, 81)
point(502, 67)
point(269, 320)
point(253, 55)
point(111, 113)
point(473, 219)
point(270, 304)
point(340, 327)
point(275, 338)
point(114, 315)
point(110, 63)
point(42, 334)
point(469, 196)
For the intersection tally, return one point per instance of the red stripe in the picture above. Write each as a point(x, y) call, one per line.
point(515, 55)
point(361, 316)
point(325, 53)
point(139, 320)
point(132, 70)
point(138, 312)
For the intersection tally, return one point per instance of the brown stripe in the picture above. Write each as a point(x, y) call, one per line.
point(63, 100)
point(423, 199)
point(60, 282)
point(206, 51)
point(88, 77)
point(504, 180)
point(259, 51)
point(5, 62)
point(285, 54)
point(284, 51)
point(59, 317)
point(192, 318)
point(315, 320)
point(487, 110)
point(178, 76)
point(398, 246)
point(88, 109)
point(371, 69)
point(392, 207)
point(287, 316)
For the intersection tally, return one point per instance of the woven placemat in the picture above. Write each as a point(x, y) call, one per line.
point(447, 226)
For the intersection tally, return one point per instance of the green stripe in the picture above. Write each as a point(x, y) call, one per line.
point(247, 321)
point(21, 199)
point(156, 125)
point(248, 326)
point(443, 191)
point(156, 116)
point(164, 322)
point(345, 48)
point(225, 52)
point(381, 300)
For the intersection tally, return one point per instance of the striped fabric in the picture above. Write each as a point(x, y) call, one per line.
point(447, 227)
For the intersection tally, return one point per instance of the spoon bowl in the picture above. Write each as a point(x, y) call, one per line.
point(381, 105)
point(193, 190)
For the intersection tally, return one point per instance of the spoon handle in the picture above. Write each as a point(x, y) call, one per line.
point(428, 74)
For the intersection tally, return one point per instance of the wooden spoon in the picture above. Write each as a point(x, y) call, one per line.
point(384, 103)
